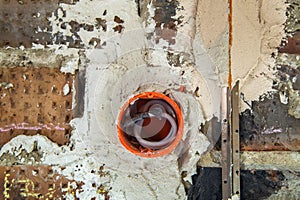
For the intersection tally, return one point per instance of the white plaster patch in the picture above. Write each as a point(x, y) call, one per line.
point(86, 12)
point(70, 65)
point(6, 85)
point(257, 32)
point(213, 37)
point(124, 74)
point(283, 97)
point(66, 89)
point(212, 22)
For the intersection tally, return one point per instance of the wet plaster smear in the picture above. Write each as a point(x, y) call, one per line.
point(127, 48)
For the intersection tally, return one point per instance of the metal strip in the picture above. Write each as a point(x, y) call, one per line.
point(225, 145)
point(235, 139)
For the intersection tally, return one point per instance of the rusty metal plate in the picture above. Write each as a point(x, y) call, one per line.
point(35, 182)
point(32, 101)
point(23, 22)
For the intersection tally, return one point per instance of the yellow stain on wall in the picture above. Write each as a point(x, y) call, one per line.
point(6, 188)
point(28, 188)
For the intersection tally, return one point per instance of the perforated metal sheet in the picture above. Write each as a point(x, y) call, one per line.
point(34, 182)
point(32, 101)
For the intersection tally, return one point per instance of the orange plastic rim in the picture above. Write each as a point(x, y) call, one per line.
point(151, 153)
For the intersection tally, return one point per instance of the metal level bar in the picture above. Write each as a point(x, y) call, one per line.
point(235, 139)
point(225, 145)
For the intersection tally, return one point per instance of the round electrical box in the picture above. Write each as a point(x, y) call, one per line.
point(150, 124)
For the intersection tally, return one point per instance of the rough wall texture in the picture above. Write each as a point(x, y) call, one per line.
point(265, 58)
point(68, 66)
point(272, 122)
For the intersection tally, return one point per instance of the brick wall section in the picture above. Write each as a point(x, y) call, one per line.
point(32, 102)
point(34, 182)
